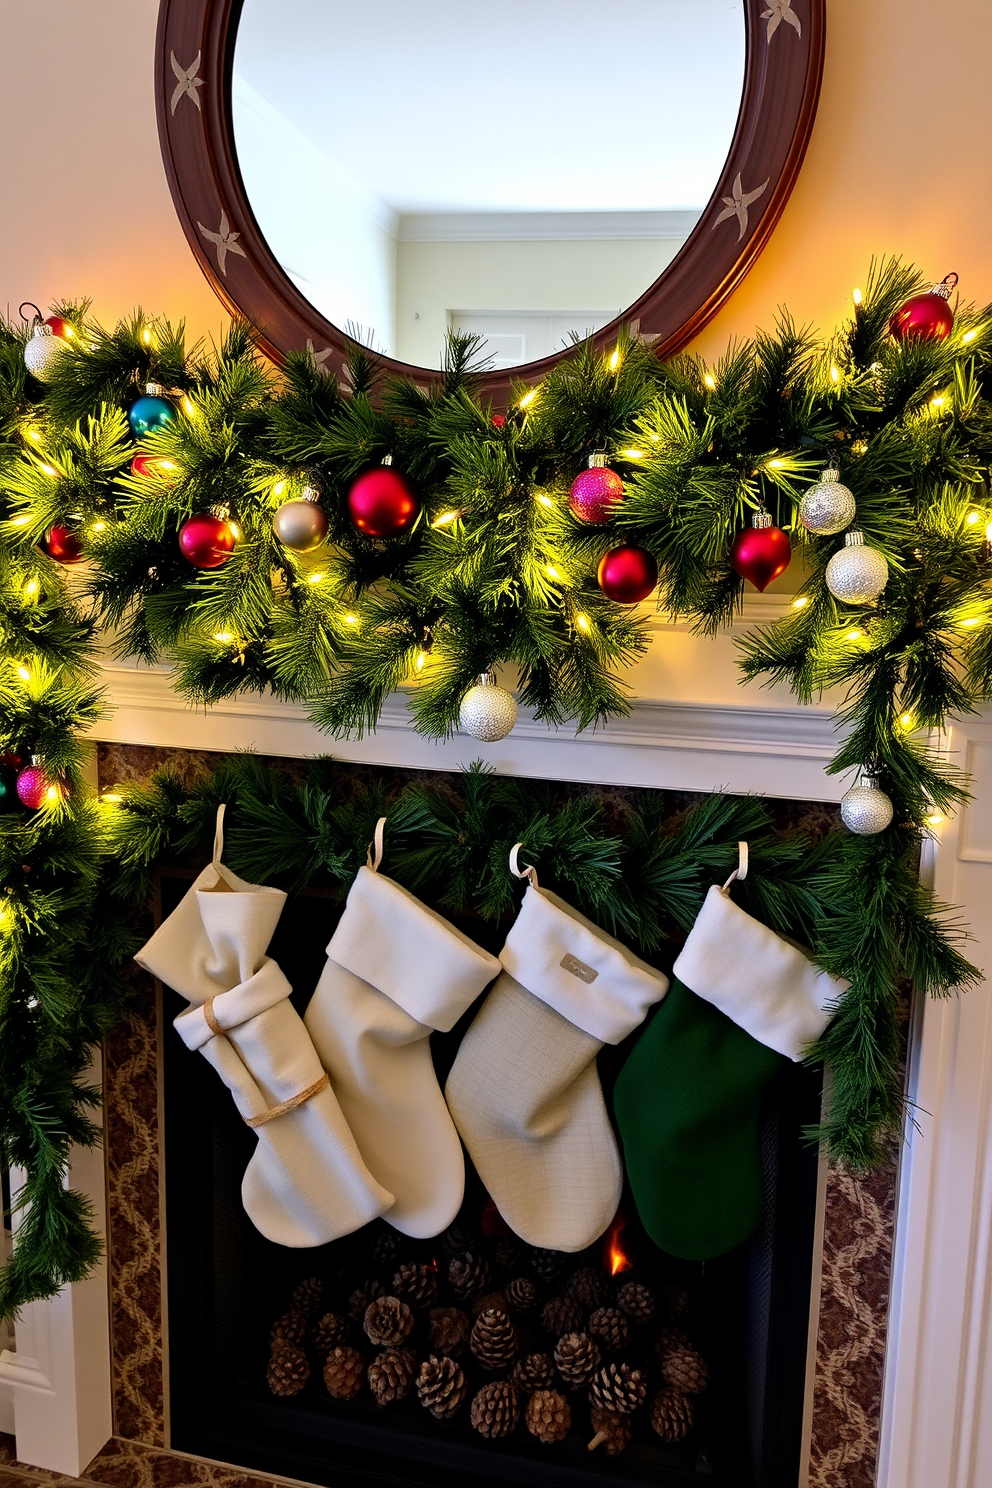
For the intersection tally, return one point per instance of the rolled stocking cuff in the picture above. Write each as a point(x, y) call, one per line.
point(578, 970)
point(227, 1010)
point(768, 987)
point(427, 967)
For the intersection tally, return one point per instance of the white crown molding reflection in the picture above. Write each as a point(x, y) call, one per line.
point(522, 227)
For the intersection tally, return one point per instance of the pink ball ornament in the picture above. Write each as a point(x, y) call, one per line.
point(207, 541)
point(596, 493)
point(32, 786)
point(627, 574)
point(761, 552)
point(382, 503)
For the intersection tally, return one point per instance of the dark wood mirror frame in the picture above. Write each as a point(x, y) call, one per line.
point(194, 64)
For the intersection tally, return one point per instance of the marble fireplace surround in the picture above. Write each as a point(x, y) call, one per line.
point(897, 1388)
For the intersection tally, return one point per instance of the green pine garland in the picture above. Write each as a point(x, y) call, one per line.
point(495, 572)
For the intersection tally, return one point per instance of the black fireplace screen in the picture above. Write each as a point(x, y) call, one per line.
point(738, 1324)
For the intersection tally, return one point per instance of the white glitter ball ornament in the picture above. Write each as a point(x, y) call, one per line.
point(487, 712)
point(827, 507)
point(857, 574)
point(42, 352)
point(866, 809)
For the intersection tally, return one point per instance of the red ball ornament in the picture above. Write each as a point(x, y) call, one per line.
point(33, 786)
point(63, 544)
point(58, 326)
point(926, 317)
point(499, 420)
point(207, 541)
point(595, 493)
point(761, 552)
point(627, 575)
point(382, 503)
point(156, 465)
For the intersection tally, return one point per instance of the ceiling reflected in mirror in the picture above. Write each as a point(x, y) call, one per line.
point(524, 172)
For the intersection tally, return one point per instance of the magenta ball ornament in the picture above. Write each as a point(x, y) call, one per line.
point(32, 786)
point(627, 574)
point(382, 503)
point(595, 494)
point(925, 317)
point(207, 541)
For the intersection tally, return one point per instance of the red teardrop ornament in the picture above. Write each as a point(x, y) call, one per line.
point(760, 553)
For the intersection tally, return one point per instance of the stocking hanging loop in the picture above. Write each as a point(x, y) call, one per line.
point(219, 834)
point(374, 859)
point(740, 872)
point(515, 868)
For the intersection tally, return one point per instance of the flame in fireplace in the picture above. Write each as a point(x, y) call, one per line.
point(617, 1258)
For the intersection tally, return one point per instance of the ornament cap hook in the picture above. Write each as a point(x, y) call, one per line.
point(762, 518)
point(597, 460)
point(154, 390)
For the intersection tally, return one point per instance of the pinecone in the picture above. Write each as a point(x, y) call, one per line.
point(290, 1328)
point(388, 1322)
point(636, 1301)
point(288, 1369)
point(673, 1302)
point(685, 1370)
point(535, 1372)
point(490, 1302)
point(547, 1265)
point(416, 1284)
point(671, 1415)
point(496, 1409)
point(344, 1373)
point(391, 1375)
point(521, 1297)
point(588, 1287)
point(447, 1330)
point(508, 1254)
point(494, 1340)
point(361, 1299)
point(612, 1431)
point(309, 1298)
point(577, 1358)
point(458, 1238)
point(468, 1275)
point(618, 1388)
point(440, 1386)
point(328, 1332)
point(611, 1328)
point(668, 1339)
point(548, 1416)
point(561, 1315)
point(387, 1250)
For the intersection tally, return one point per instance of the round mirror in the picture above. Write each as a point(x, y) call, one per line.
point(523, 171)
point(388, 172)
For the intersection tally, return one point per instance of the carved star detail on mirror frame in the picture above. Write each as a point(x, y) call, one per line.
point(188, 82)
point(224, 240)
point(737, 205)
point(318, 357)
point(777, 12)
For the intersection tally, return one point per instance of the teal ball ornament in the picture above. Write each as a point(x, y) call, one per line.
point(150, 412)
point(9, 799)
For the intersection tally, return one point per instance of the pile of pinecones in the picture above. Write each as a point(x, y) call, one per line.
point(515, 1333)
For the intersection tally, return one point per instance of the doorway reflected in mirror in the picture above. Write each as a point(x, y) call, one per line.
point(523, 172)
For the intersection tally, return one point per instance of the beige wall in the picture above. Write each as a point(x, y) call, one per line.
point(899, 162)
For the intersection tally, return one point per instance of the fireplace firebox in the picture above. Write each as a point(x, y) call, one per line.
point(746, 1312)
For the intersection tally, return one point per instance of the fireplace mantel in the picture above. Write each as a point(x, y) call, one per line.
point(692, 727)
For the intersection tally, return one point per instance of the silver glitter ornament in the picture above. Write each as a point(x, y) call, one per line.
point(827, 507)
point(866, 809)
point(857, 574)
point(300, 524)
point(42, 352)
point(487, 712)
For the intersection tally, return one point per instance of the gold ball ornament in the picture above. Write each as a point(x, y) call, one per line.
point(300, 524)
point(866, 809)
point(827, 507)
point(856, 573)
point(487, 712)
